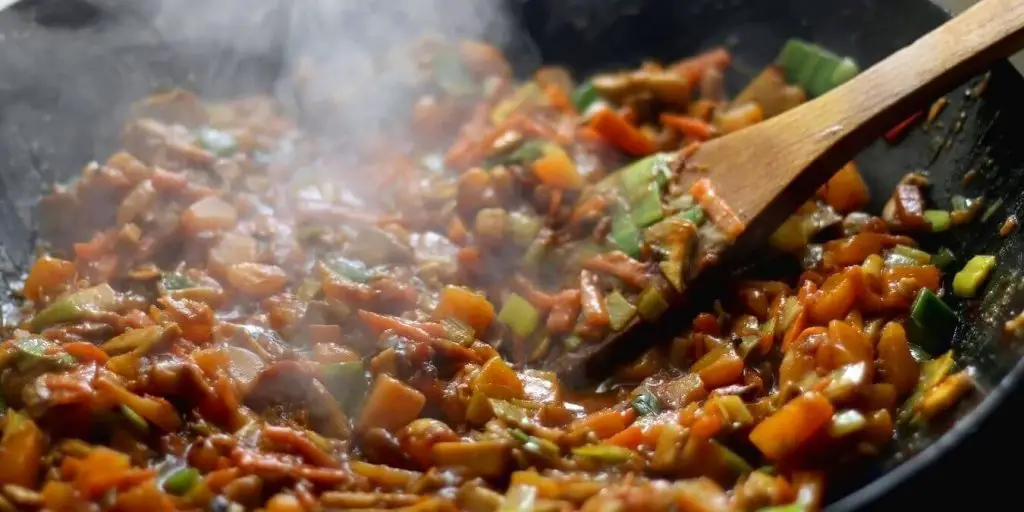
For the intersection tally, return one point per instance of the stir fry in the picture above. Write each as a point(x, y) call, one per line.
point(232, 316)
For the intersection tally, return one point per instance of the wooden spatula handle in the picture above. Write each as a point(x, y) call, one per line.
point(797, 151)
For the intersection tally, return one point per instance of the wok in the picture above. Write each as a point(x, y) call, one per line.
point(68, 70)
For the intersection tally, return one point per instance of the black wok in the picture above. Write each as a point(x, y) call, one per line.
point(68, 69)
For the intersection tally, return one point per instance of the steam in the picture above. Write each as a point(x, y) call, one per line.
point(338, 49)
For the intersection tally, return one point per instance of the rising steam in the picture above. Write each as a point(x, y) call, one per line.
point(357, 49)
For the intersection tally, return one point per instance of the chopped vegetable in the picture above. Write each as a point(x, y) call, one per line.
point(816, 69)
point(646, 404)
point(75, 306)
point(218, 142)
point(785, 432)
point(346, 381)
point(519, 315)
point(943, 258)
point(468, 307)
point(248, 318)
point(182, 481)
point(606, 453)
point(652, 303)
point(391, 405)
point(584, 96)
point(975, 272)
point(935, 320)
point(939, 220)
point(620, 310)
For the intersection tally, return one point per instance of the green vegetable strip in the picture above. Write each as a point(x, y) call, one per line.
point(648, 209)
point(607, 453)
point(967, 281)
point(584, 95)
point(943, 258)
point(939, 220)
point(932, 322)
point(814, 68)
point(918, 256)
point(519, 315)
point(652, 303)
point(620, 311)
point(625, 235)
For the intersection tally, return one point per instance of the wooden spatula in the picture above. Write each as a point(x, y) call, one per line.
point(765, 172)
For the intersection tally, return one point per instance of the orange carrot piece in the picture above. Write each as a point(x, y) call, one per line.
point(925, 276)
point(495, 375)
point(558, 98)
point(739, 117)
point(836, 296)
point(101, 471)
point(466, 306)
point(693, 68)
point(725, 369)
point(556, 170)
point(416, 331)
point(85, 351)
point(616, 130)
point(631, 437)
point(784, 433)
point(391, 405)
point(604, 424)
point(595, 312)
point(564, 311)
point(846, 190)
point(689, 126)
point(47, 273)
point(723, 216)
point(701, 495)
point(301, 444)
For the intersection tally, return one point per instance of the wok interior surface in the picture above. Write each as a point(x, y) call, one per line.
point(57, 116)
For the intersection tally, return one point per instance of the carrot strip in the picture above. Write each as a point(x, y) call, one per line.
point(605, 423)
point(416, 331)
point(616, 130)
point(85, 351)
point(595, 313)
point(723, 216)
point(631, 437)
point(620, 265)
point(694, 67)
point(301, 444)
point(689, 126)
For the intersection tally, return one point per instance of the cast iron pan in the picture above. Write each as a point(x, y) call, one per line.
point(69, 68)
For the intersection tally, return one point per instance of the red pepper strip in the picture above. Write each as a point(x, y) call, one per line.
point(726, 220)
point(897, 132)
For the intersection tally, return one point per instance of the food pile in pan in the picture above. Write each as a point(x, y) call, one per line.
point(229, 317)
